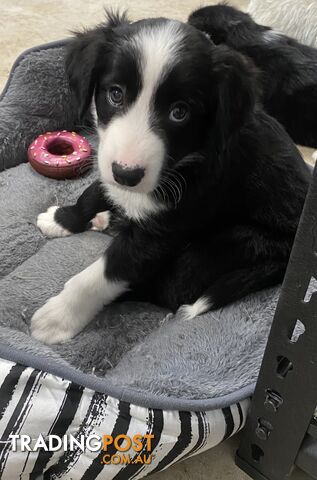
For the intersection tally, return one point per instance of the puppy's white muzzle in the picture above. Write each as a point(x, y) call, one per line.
point(130, 152)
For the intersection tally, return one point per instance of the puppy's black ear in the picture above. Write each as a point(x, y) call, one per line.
point(235, 84)
point(81, 60)
point(83, 55)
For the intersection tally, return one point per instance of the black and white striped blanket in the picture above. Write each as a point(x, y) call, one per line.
point(34, 402)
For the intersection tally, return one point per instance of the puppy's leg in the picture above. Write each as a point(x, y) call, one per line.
point(85, 214)
point(121, 268)
point(83, 296)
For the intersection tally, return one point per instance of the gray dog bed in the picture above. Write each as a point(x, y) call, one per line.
point(136, 367)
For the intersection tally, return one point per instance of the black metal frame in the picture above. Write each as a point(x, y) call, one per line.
point(286, 393)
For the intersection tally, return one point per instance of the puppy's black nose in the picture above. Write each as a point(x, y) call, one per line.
point(127, 176)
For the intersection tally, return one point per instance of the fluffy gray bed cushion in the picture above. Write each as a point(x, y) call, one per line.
point(138, 347)
point(133, 345)
point(30, 106)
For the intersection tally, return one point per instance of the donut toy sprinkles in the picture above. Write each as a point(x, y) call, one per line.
point(60, 155)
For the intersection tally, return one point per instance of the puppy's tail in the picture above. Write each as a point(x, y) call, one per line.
point(233, 286)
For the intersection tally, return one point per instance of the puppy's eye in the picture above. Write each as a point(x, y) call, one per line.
point(179, 112)
point(115, 96)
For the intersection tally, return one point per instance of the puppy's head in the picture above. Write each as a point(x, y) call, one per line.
point(156, 88)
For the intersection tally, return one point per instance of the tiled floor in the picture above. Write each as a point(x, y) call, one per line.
point(27, 23)
point(217, 464)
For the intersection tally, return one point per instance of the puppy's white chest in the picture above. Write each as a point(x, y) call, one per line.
point(135, 205)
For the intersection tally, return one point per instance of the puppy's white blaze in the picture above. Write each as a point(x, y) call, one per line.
point(159, 46)
point(188, 312)
point(48, 226)
point(134, 205)
point(83, 296)
point(129, 139)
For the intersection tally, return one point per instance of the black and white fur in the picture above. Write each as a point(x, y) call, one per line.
point(288, 69)
point(203, 188)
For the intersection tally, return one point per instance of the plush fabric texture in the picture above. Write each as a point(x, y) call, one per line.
point(30, 106)
point(137, 346)
point(295, 19)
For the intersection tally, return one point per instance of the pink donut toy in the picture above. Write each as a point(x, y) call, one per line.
point(60, 154)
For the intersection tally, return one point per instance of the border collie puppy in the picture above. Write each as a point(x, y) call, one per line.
point(205, 188)
point(288, 69)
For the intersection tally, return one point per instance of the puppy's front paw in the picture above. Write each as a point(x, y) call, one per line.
point(101, 221)
point(47, 224)
point(55, 322)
